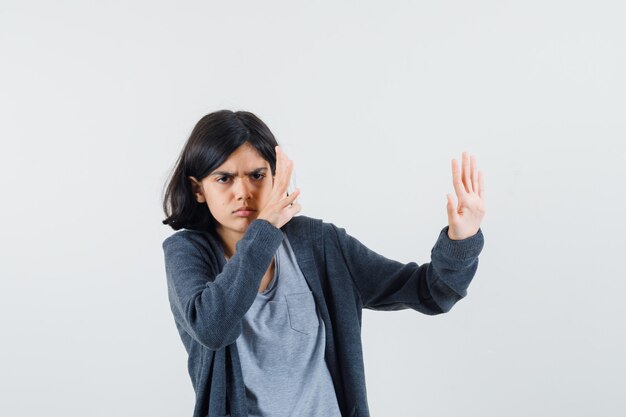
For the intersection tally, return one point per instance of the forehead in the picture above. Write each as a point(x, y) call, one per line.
point(245, 158)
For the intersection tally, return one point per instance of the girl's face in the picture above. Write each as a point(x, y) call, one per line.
point(243, 180)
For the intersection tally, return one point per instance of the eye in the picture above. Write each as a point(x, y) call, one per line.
point(221, 178)
point(258, 176)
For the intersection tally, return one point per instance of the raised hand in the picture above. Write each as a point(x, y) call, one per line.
point(465, 217)
point(279, 209)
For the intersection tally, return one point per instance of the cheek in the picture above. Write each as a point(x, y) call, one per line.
point(214, 199)
point(267, 188)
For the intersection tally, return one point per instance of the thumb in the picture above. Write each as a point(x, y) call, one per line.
point(450, 206)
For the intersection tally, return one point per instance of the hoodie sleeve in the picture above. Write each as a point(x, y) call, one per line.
point(210, 307)
point(431, 288)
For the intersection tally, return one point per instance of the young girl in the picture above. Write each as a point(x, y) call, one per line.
point(268, 305)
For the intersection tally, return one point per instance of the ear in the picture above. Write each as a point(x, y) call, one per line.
point(196, 188)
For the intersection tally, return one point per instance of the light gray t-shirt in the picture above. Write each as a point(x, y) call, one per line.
point(281, 348)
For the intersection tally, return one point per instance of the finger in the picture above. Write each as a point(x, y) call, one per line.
point(295, 209)
point(283, 171)
point(286, 178)
point(287, 168)
point(290, 199)
point(466, 172)
point(279, 165)
point(481, 184)
point(456, 180)
point(280, 160)
point(474, 173)
point(450, 207)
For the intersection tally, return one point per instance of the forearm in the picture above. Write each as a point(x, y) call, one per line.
point(431, 288)
point(210, 310)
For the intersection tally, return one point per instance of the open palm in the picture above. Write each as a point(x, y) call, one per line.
point(465, 217)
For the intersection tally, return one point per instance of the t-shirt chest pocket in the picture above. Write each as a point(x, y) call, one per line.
point(302, 312)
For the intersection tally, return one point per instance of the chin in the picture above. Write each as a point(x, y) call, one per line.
point(243, 223)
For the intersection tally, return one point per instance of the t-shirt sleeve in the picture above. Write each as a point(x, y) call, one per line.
point(431, 288)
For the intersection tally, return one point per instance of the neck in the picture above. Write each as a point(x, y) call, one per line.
point(229, 240)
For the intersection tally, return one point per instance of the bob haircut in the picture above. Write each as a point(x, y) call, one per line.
point(211, 142)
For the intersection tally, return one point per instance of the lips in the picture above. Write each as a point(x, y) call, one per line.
point(244, 209)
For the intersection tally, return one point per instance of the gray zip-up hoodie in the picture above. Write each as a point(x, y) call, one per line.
point(209, 297)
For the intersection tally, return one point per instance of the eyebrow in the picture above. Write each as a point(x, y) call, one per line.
point(232, 174)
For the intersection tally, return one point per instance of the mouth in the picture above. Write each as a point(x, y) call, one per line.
point(244, 209)
point(244, 212)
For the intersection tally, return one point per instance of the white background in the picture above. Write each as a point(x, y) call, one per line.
point(371, 100)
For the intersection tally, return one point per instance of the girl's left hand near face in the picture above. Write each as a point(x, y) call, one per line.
point(465, 217)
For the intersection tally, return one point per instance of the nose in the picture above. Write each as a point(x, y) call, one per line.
point(242, 189)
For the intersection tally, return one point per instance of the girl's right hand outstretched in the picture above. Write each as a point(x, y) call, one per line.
point(279, 209)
